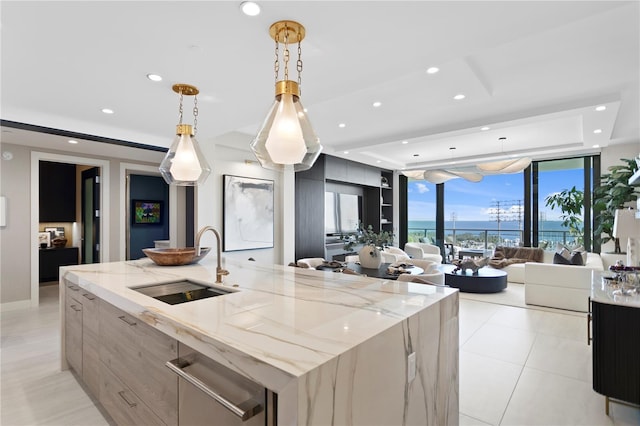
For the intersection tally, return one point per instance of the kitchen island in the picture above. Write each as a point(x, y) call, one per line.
point(333, 348)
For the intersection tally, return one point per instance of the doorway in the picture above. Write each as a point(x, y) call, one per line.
point(90, 207)
point(103, 195)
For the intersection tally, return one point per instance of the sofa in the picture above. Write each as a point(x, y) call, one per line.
point(560, 286)
point(555, 285)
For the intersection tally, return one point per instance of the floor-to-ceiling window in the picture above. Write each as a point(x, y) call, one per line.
point(505, 209)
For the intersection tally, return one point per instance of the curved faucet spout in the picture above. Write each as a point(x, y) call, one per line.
point(219, 271)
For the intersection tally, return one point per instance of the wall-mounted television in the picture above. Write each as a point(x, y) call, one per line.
point(342, 213)
point(144, 212)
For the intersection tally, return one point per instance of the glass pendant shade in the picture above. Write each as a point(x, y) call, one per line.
point(286, 139)
point(184, 164)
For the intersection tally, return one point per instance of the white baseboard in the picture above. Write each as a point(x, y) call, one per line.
point(14, 306)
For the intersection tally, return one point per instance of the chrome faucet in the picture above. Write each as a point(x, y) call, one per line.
point(219, 271)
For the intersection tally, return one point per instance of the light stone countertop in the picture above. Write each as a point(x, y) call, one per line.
point(282, 323)
point(603, 292)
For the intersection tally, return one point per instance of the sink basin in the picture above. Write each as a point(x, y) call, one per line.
point(183, 291)
point(175, 256)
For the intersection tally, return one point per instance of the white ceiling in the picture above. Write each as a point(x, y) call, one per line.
point(531, 71)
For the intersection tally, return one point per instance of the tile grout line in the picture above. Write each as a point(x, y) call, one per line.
point(518, 381)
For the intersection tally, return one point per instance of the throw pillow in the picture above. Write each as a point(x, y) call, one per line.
point(564, 252)
point(576, 258)
point(559, 259)
point(583, 253)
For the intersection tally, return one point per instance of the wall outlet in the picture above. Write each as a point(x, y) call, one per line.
point(411, 367)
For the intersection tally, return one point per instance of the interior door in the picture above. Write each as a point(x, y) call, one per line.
point(91, 215)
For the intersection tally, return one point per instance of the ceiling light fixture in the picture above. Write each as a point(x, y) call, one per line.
point(154, 77)
point(250, 8)
point(377, 104)
point(405, 142)
point(432, 70)
point(107, 110)
point(184, 164)
point(459, 97)
point(515, 165)
point(601, 108)
point(342, 125)
point(485, 128)
point(597, 131)
point(72, 142)
point(286, 138)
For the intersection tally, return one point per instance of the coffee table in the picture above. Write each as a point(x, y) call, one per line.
point(382, 271)
point(488, 280)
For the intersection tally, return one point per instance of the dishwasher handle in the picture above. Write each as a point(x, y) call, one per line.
point(244, 410)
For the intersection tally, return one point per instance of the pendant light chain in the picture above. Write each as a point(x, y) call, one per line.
point(299, 65)
point(285, 54)
point(276, 63)
point(180, 108)
point(195, 114)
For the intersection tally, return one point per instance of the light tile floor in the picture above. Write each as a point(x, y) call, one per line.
point(522, 366)
point(517, 367)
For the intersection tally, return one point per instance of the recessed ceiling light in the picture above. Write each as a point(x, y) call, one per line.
point(154, 77)
point(250, 8)
point(601, 108)
point(597, 131)
point(107, 111)
point(378, 161)
point(405, 142)
point(376, 104)
point(485, 128)
point(71, 141)
point(596, 146)
point(432, 70)
point(342, 125)
point(346, 152)
point(459, 97)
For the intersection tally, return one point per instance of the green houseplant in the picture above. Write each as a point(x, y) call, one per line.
point(612, 194)
point(570, 202)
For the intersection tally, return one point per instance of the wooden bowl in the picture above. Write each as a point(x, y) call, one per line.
point(175, 256)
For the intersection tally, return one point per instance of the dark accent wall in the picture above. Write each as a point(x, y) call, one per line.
point(148, 188)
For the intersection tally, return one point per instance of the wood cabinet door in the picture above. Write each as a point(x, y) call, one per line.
point(90, 342)
point(73, 332)
point(136, 353)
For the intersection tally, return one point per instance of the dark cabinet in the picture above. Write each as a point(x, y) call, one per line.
point(57, 192)
point(616, 351)
point(52, 259)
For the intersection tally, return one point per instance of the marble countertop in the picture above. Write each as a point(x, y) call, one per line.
point(281, 323)
point(603, 291)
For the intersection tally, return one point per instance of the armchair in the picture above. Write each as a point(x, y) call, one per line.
point(394, 254)
point(423, 251)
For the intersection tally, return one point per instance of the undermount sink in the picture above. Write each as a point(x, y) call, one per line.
point(175, 256)
point(183, 291)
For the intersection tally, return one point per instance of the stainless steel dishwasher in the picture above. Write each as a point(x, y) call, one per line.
point(211, 394)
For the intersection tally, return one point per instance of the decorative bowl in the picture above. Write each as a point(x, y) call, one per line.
point(59, 242)
point(175, 256)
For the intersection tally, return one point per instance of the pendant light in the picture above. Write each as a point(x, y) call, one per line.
point(184, 164)
point(514, 165)
point(286, 139)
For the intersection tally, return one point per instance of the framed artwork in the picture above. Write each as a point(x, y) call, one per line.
point(44, 239)
point(247, 218)
point(146, 212)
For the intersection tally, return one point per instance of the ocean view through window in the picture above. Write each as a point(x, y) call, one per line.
point(491, 212)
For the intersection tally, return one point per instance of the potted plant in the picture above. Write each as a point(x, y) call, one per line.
point(570, 202)
point(372, 243)
point(613, 193)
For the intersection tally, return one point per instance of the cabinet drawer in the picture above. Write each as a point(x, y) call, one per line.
point(123, 405)
point(136, 353)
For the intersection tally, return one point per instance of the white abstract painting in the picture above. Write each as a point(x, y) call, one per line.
point(248, 213)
